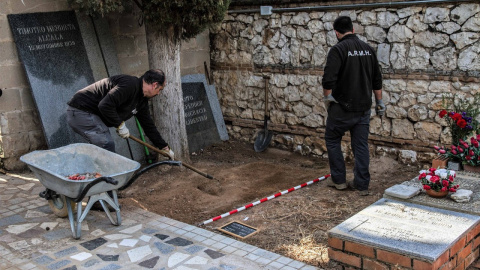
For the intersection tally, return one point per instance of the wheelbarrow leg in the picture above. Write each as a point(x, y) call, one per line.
point(105, 198)
point(115, 205)
point(75, 225)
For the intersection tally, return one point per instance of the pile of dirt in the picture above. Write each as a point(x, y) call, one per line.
point(294, 224)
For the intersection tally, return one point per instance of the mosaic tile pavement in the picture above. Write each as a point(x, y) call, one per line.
point(32, 237)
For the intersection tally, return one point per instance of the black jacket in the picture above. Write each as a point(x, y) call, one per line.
point(352, 72)
point(115, 100)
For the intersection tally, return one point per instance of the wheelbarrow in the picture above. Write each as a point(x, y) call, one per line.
point(52, 168)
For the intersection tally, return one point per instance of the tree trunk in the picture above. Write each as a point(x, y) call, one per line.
point(168, 113)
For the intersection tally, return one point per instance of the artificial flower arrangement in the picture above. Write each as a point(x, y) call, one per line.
point(465, 152)
point(438, 180)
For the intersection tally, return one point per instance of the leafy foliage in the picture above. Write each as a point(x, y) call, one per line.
point(186, 18)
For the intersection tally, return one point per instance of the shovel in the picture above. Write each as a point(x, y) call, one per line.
point(164, 153)
point(264, 136)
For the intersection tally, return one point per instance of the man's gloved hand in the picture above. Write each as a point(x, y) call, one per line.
point(327, 100)
point(122, 131)
point(169, 152)
point(380, 107)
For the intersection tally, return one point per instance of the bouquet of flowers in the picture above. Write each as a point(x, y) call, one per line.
point(467, 153)
point(462, 118)
point(438, 179)
point(471, 151)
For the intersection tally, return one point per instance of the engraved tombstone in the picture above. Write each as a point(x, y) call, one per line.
point(405, 228)
point(200, 121)
point(51, 49)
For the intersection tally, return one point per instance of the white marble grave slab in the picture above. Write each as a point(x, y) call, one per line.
point(409, 229)
point(402, 191)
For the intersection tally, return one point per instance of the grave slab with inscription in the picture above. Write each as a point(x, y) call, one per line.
point(409, 229)
point(466, 181)
point(51, 49)
point(203, 116)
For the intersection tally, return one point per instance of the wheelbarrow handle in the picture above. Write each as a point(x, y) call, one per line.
point(84, 192)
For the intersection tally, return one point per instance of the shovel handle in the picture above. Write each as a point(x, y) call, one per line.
point(165, 154)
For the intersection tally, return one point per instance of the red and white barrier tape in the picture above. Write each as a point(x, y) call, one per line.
point(264, 200)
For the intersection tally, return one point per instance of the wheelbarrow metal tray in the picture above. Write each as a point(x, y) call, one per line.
point(53, 166)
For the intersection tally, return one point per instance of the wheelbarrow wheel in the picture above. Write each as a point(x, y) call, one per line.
point(58, 204)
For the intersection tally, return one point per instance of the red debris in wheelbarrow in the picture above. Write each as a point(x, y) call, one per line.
point(84, 176)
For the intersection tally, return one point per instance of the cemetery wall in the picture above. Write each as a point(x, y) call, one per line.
point(20, 125)
point(424, 51)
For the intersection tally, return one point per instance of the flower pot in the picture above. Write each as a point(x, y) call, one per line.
point(454, 165)
point(439, 163)
point(470, 168)
point(436, 194)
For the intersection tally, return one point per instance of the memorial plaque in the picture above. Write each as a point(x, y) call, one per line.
point(200, 122)
point(238, 229)
point(413, 230)
point(51, 49)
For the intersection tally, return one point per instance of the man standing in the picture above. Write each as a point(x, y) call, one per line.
point(351, 73)
point(112, 101)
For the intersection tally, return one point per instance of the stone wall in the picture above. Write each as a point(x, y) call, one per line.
point(424, 51)
point(20, 125)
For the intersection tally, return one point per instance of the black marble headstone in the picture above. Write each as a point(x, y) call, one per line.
point(52, 51)
point(200, 124)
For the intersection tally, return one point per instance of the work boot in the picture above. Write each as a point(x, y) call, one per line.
point(330, 183)
point(352, 185)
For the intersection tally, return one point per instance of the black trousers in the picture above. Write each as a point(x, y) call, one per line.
point(340, 121)
point(91, 128)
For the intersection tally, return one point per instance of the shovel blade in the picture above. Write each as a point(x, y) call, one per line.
point(262, 141)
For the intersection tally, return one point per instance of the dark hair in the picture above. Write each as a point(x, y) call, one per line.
point(343, 24)
point(154, 75)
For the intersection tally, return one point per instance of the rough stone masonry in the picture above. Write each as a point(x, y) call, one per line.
point(424, 52)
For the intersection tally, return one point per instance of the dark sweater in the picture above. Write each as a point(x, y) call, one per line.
point(352, 72)
point(114, 100)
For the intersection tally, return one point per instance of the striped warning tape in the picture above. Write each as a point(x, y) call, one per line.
point(264, 200)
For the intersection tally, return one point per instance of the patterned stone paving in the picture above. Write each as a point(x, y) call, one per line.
point(32, 237)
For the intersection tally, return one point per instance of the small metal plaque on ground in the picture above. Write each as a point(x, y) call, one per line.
point(238, 229)
point(409, 229)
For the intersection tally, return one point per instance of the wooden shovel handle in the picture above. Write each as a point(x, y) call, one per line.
point(164, 153)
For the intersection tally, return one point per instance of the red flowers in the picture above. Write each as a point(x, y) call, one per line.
point(442, 113)
point(468, 152)
point(438, 180)
point(462, 123)
point(461, 120)
point(455, 116)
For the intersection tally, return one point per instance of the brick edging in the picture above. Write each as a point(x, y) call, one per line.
point(459, 256)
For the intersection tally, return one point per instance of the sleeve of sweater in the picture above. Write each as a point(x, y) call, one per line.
point(377, 76)
point(332, 68)
point(108, 105)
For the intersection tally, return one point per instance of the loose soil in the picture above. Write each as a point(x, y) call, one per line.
point(294, 225)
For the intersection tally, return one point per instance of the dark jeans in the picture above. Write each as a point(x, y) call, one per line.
point(340, 121)
point(91, 128)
